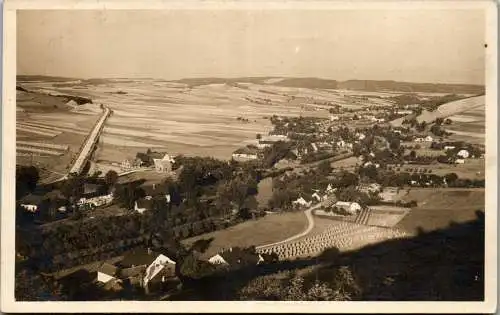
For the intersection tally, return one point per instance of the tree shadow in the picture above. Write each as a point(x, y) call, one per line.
point(442, 265)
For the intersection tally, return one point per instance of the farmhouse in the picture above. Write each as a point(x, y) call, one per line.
point(463, 154)
point(217, 260)
point(350, 207)
point(159, 270)
point(459, 161)
point(334, 117)
point(301, 202)
point(318, 197)
point(330, 189)
point(449, 147)
point(164, 165)
point(428, 139)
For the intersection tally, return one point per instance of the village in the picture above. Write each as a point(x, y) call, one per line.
point(346, 168)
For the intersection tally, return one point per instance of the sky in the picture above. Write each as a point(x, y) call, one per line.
point(441, 46)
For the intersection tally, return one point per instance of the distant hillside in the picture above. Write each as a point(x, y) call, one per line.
point(43, 78)
point(205, 81)
point(373, 86)
point(313, 83)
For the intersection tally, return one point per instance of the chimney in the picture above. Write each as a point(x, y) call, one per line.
point(149, 251)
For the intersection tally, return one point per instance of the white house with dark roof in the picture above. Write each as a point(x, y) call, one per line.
point(302, 202)
point(350, 207)
point(164, 164)
point(162, 267)
point(217, 260)
point(463, 154)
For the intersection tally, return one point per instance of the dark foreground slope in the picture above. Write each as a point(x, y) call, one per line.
point(444, 265)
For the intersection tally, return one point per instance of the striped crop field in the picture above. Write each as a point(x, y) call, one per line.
point(58, 129)
point(43, 145)
point(342, 235)
point(26, 149)
point(38, 131)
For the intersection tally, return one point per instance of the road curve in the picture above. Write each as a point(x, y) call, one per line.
point(310, 226)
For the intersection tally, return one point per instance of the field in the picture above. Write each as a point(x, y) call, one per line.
point(345, 236)
point(471, 169)
point(269, 229)
point(469, 126)
point(198, 119)
point(49, 133)
point(437, 208)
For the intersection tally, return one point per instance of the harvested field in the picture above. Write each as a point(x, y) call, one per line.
point(38, 131)
point(43, 145)
point(266, 230)
point(56, 134)
point(34, 150)
point(343, 235)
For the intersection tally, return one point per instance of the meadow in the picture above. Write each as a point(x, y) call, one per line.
point(437, 208)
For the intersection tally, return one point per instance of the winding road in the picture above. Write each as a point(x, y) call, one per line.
point(310, 226)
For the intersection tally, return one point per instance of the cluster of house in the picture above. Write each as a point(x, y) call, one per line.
point(345, 207)
point(253, 152)
point(154, 271)
point(161, 161)
point(139, 268)
point(234, 257)
point(146, 203)
point(93, 196)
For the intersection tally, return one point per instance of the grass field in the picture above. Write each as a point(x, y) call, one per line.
point(471, 169)
point(269, 229)
point(265, 188)
point(437, 208)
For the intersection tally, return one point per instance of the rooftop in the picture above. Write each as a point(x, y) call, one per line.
point(108, 269)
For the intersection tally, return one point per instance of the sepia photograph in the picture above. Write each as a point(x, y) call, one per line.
point(272, 151)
